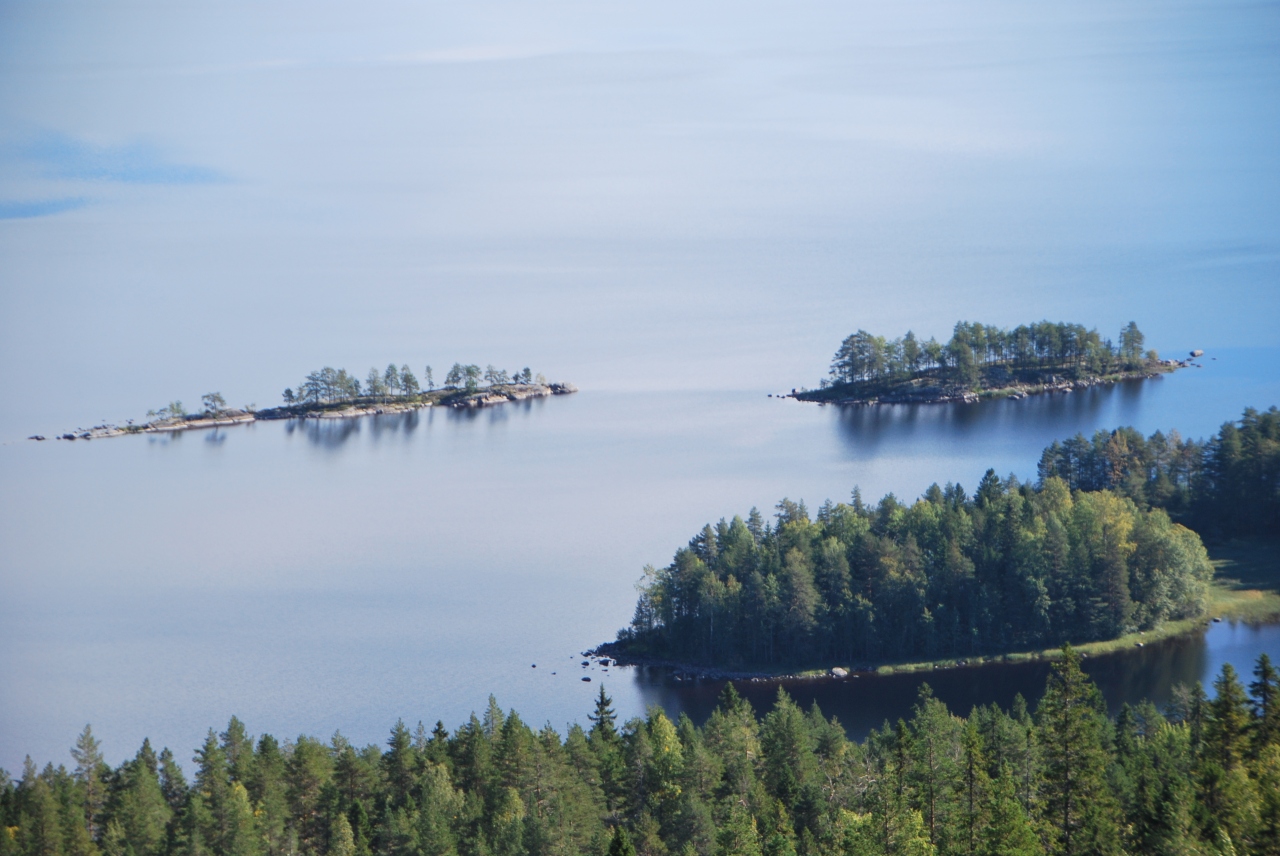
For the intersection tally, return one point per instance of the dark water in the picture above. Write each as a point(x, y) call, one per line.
point(322, 575)
point(867, 701)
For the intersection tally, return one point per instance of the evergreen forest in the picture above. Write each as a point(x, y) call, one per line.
point(979, 356)
point(1201, 777)
point(1091, 551)
point(1227, 486)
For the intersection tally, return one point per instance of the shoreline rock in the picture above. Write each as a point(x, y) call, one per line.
point(484, 398)
point(1014, 391)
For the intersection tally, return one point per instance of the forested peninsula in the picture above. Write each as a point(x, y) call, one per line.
point(984, 361)
point(330, 393)
point(1200, 777)
point(1088, 552)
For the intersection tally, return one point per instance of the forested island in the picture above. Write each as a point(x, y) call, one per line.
point(330, 393)
point(983, 361)
point(1200, 777)
point(1088, 552)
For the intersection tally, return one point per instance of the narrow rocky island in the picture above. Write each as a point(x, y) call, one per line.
point(982, 362)
point(330, 393)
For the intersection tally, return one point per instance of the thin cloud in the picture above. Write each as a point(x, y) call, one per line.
point(26, 209)
point(64, 156)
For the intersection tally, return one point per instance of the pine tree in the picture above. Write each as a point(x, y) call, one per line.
point(89, 774)
point(620, 844)
point(1265, 691)
point(603, 719)
point(935, 733)
point(738, 834)
point(1226, 731)
point(398, 764)
point(1160, 812)
point(1008, 830)
point(1077, 804)
point(39, 824)
point(974, 785)
point(342, 842)
point(173, 784)
point(137, 807)
point(1228, 797)
point(306, 773)
point(788, 753)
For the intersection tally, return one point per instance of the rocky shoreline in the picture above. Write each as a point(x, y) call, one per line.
point(943, 395)
point(612, 652)
point(456, 399)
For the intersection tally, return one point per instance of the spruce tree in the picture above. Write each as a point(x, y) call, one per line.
point(1265, 692)
point(89, 774)
point(620, 844)
point(1077, 803)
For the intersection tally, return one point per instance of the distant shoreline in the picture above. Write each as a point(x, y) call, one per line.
point(458, 399)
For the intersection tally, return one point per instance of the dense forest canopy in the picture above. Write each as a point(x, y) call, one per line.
point(1202, 777)
point(1067, 348)
point(1226, 486)
point(1090, 552)
point(1013, 567)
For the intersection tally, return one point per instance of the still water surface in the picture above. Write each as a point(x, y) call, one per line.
point(314, 576)
point(651, 200)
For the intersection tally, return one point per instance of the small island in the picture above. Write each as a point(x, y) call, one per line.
point(983, 361)
point(330, 393)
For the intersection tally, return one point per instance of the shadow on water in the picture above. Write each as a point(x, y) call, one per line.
point(867, 431)
point(333, 434)
point(494, 415)
point(387, 425)
point(868, 700)
point(324, 433)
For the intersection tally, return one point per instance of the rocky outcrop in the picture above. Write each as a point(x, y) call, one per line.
point(490, 397)
point(480, 399)
point(943, 395)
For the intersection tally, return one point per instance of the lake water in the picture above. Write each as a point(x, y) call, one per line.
point(680, 208)
point(317, 576)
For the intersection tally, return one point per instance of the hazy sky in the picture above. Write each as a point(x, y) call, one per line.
point(225, 196)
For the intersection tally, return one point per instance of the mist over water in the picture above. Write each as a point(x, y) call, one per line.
point(678, 208)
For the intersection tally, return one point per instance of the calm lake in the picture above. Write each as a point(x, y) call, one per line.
point(329, 575)
point(679, 207)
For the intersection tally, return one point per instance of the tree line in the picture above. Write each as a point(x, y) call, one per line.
point(329, 385)
point(1201, 777)
point(973, 347)
point(1012, 567)
point(1224, 487)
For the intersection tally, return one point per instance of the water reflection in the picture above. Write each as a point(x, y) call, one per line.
point(333, 434)
point(325, 433)
point(385, 425)
point(867, 701)
point(495, 415)
point(867, 430)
